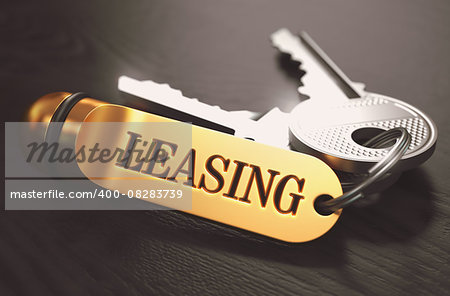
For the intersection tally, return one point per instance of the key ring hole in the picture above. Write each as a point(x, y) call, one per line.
point(364, 134)
point(318, 207)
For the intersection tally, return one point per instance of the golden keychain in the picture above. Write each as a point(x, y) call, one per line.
point(249, 185)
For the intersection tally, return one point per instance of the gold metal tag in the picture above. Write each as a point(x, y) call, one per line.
point(235, 181)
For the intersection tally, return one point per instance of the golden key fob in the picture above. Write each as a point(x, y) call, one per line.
point(253, 186)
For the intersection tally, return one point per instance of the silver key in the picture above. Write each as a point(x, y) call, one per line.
point(340, 116)
point(329, 125)
point(240, 121)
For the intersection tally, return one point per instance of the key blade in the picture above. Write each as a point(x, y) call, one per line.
point(164, 95)
point(351, 89)
point(323, 79)
point(270, 129)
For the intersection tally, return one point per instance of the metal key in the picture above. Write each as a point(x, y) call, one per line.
point(329, 125)
point(240, 122)
point(340, 116)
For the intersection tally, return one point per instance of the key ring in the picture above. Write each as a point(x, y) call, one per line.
point(376, 172)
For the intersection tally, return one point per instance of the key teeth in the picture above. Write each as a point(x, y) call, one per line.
point(286, 47)
point(177, 92)
point(282, 33)
point(301, 90)
point(167, 88)
point(152, 86)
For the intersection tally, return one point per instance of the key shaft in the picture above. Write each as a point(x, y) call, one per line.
point(334, 71)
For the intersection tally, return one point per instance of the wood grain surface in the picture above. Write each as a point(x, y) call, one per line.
point(219, 51)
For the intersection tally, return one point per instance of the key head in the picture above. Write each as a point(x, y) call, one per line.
point(336, 132)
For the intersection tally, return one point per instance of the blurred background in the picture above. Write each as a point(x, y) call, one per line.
point(219, 52)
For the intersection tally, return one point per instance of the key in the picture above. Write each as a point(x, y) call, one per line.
point(240, 122)
point(339, 116)
point(332, 125)
point(164, 95)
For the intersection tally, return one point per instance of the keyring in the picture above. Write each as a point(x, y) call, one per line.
point(378, 171)
point(60, 115)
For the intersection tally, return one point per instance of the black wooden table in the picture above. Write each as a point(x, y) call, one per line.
point(219, 51)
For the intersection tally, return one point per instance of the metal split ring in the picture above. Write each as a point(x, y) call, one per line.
point(378, 171)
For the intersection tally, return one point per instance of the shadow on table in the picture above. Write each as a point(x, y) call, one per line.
point(402, 213)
